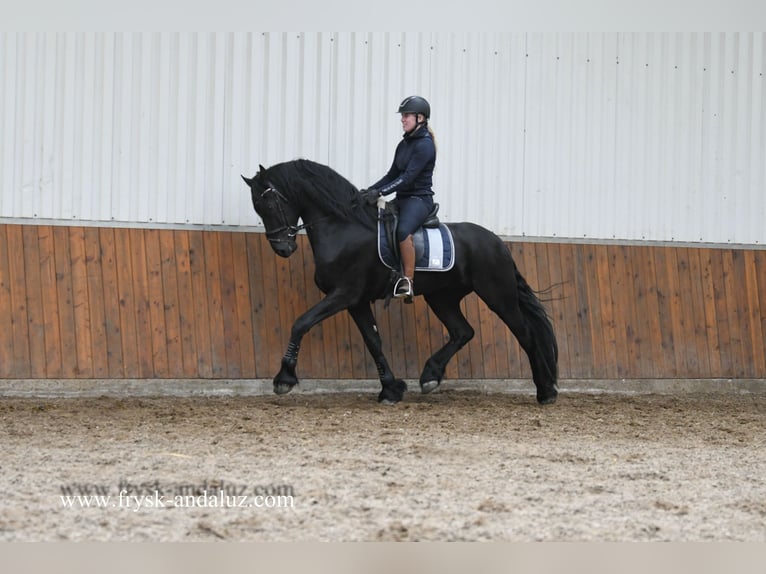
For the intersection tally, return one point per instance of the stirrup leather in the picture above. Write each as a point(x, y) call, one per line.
point(403, 288)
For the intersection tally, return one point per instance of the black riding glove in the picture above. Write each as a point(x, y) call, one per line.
point(370, 195)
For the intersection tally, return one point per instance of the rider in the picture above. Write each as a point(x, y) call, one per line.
point(410, 177)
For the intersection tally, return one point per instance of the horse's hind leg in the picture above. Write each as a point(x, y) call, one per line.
point(446, 306)
point(506, 305)
point(393, 389)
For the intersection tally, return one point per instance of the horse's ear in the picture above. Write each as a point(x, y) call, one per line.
point(249, 182)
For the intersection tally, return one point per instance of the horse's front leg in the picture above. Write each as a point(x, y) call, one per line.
point(393, 389)
point(286, 379)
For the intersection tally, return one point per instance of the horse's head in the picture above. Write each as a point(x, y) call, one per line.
point(279, 217)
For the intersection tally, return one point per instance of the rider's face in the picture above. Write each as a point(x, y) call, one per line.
point(409, 121)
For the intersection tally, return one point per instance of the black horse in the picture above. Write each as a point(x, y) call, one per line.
point(343, 236)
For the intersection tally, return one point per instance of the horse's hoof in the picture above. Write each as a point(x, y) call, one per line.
point(429, 386)
point(388, 402)
point(547, 400)
point(282, 388)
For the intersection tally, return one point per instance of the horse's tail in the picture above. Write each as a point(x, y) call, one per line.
point(539, 322)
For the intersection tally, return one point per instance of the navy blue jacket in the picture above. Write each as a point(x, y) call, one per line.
point(412, 171)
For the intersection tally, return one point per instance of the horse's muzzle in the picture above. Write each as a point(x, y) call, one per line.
point(283, 247)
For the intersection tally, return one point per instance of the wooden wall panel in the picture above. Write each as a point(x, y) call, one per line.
point(142, 303)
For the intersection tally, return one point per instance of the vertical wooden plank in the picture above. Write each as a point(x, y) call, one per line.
point(141, 312)
point(201, 320)
point(211, 241)
point(737, 296)
point(81, 304)
point(427, 325)
point(722, 314)
point(697, 325)
point(708, 317)
point(665, 287)
point(607, 312)
point(760, 278)
point(579, 333)
point(170, 304)
point(547, 291)
point(623, 305)
point(260, 323)
point(685, 320)
point(730, 281)
point(397, 337)
point(96, 304)
point(289, 308)
point(593, 301)
point(407, 351)
point(649, 316)
point(6, 333)
point(638, 346)
point(35, 309)
point(52, 327)
point(285, 310)
point(63, 281)
point(757, 350)
point(633, 307)
point(128, 300)
point(572, 312)
point(114, 302)
point(187, 309)
point(156, 304)
point(270, 279)
point(752, 322)
point(20, 366)
point(550, 277)
point(242, 301)
point(385, 330)
point(228, 287)
point(680, 344)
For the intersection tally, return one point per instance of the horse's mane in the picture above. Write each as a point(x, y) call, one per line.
point(303, 179)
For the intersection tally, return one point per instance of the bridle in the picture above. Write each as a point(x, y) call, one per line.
point(292, 230)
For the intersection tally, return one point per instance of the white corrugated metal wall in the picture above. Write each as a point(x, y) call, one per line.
point(601, 136)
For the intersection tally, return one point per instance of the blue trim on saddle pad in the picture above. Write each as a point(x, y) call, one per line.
point(434, 249)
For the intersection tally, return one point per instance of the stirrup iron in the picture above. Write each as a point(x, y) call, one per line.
point(403, 289)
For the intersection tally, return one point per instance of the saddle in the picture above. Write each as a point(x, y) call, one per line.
point(389, 218)
point(434, 245)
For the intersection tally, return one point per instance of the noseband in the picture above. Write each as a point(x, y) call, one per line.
point(292, 230)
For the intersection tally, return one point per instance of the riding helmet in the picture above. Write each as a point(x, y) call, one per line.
point(416, 105)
